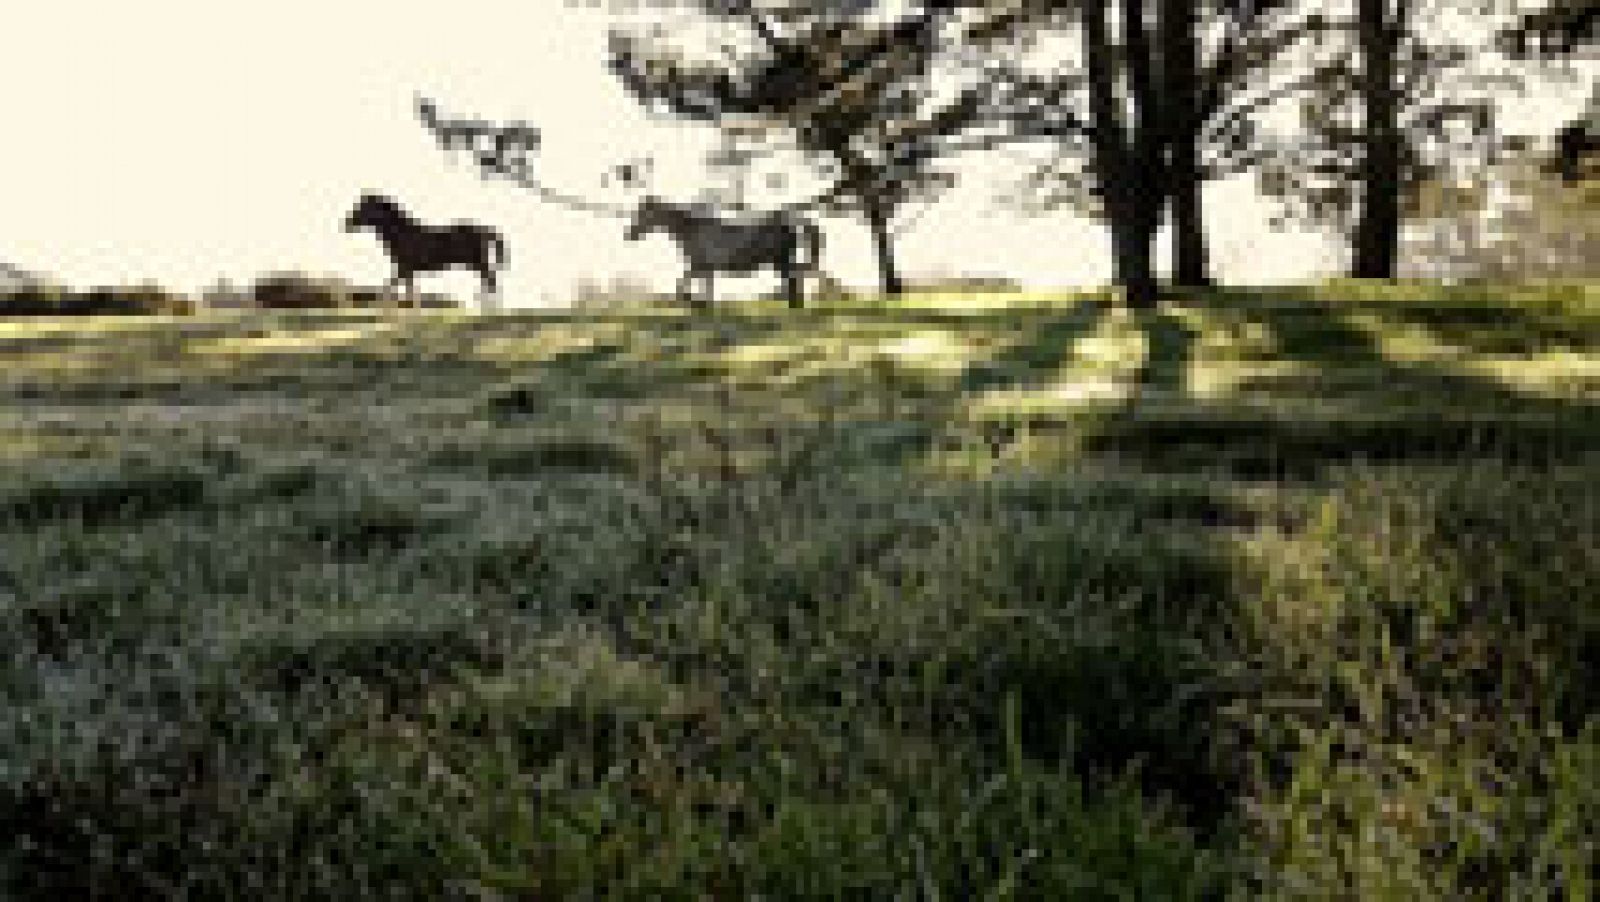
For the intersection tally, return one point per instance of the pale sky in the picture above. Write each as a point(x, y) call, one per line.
point(182, 141)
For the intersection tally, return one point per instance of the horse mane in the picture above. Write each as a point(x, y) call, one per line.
point(707, 211)
point(391, 208)
point(681, 209)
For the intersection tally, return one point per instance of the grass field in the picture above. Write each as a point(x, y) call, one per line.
point(1288, 593)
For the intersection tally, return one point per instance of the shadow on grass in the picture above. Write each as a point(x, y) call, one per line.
point(642, 363)
point(1037, 356)
point(1443, 415)
point(108, 496)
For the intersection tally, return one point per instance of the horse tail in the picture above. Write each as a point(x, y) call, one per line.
point(499, 245)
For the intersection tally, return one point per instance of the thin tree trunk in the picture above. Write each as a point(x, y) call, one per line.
point(883, 247)
point(1135, 219)
point(1376, 244)
point(1377, 240)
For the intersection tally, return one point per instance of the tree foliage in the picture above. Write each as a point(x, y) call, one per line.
point(1521, 220)
point(1560, 28)
point(1153, 98)
point(1414, 94)
point(861, 88)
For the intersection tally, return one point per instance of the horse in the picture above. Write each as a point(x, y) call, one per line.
point(413, 247)
point(711, 245)
point(1576, 144)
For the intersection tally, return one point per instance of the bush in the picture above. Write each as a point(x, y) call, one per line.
point(293, 291)
point(48, 300)
point(296, 291)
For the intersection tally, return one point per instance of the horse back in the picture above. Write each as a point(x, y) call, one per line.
point(468, 228)
point(739, 246)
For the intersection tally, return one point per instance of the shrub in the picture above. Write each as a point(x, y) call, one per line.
point(293, 291)
point(48, 300)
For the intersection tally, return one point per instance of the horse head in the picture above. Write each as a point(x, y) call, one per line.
point(650, 216)
point(372, 211)
point(428, 111)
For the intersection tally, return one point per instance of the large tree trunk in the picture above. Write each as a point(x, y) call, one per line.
point(1129, 163)
point(1133, 255)
point(883, 247)
point(1191, 257)
point(1191, 267)
point(1376, 244)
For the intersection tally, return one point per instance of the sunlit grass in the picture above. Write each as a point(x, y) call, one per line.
point(303, 341)
point(1008, 300)
point(545, 342)
point(1558, 374)
point(1115, 342)
point(931, 348)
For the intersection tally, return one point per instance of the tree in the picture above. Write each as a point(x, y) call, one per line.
point(1382, 26)
point(1559, 32)
point(1559, 29)
point(1518, 220)
point(1577, 145)
point(1550, 228)
point(1160, 99)
point(1106, 104)
point(1213, 91)
point(854, 92)
point(1180, 51)
point(1414, 96)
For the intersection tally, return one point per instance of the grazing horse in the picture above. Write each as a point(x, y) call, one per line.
point(710, 245)
point(413, 247)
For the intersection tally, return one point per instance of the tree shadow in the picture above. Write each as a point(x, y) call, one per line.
point(1425, 412)
point(1037, 357)
point(1169, 343)
point(1479, 326)
point(938, 401)
point(1416, 411)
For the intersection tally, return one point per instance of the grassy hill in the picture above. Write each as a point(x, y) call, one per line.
point(1287, 593)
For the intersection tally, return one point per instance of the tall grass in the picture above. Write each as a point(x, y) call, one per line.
point(786, 606)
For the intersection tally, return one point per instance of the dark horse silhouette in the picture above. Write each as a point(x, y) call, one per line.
point(711, 245)
point(413, 247)
point(1577, 144)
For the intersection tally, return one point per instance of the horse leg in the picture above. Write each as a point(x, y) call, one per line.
point(711, 291)
point(792, 286)
point(411, 292)
point(391, 301)
point(490, 286)
point(682, 289)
